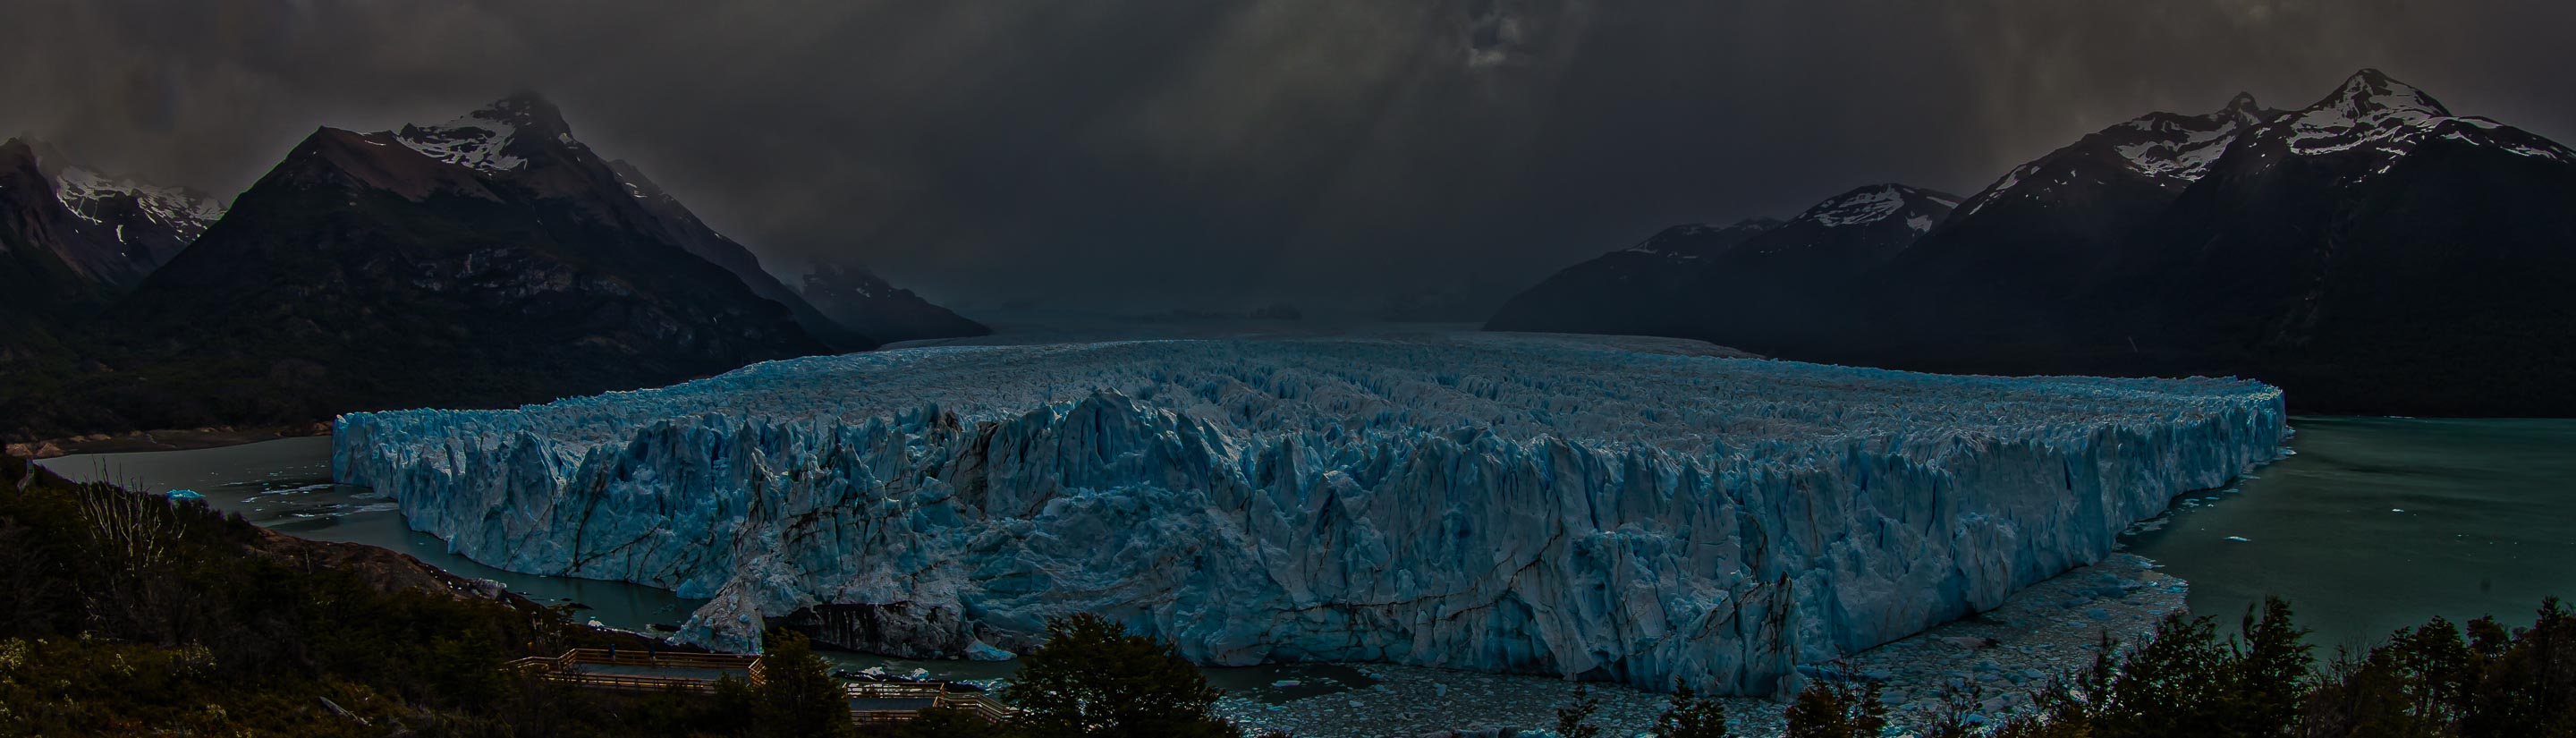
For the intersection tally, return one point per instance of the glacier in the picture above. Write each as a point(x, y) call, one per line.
point(1630, 509)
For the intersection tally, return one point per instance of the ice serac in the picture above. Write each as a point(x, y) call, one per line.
point(1620, 508)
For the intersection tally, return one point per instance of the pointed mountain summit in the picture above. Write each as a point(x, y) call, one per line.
point(118, 228)
point(522, 141)
point(72, 240)
point(489, 261)
point(2372, 120)
point(1853, 230)
point(2163, 150)
point(2373, 252)
point(2008, 263)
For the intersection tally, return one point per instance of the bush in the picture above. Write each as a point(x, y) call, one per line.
point(1838, 709)
point(1093, 679)
point(1691, 716)
point(797, 696)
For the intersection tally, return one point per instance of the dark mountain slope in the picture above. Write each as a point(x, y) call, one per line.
point(72, 240)
point(523, 141)
point(2005, 267)
point(1630, 291)
point(858, 298)
point(2372, 252)
point(360, 274)
point(1763, 286)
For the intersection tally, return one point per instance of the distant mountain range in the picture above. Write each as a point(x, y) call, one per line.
point(860, 299)
point(73, 240)
point(2372, 252)
point(490, 260)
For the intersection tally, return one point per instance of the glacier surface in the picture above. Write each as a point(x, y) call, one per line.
point(1632, 509)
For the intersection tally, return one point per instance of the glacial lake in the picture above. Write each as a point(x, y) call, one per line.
point(2381, 523)
point(2371, 525)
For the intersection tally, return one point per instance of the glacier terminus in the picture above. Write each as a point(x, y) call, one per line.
point(1638, 510)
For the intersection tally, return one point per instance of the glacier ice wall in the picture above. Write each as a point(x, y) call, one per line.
point(1633, 509)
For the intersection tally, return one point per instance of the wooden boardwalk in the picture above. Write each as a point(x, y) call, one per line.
point(882, 702)
point(649, 671)
point(629, 670)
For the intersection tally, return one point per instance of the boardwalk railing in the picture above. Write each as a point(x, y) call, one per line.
point(636, 671)
point(936, 694)
point(629, 670)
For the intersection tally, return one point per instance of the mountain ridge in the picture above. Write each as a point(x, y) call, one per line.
point(2370, 252)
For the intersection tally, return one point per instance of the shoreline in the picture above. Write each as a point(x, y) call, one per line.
point(168, 439)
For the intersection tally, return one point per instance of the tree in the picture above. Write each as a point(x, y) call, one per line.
point(942, 722)
point(1837, 709)
point(2173, 685)
point(797, 696)
point(2269, 681)
point(1093, 679)
point(1691, 716)
point(1575, 720)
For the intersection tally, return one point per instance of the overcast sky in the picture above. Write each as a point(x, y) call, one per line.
point(1146, 154)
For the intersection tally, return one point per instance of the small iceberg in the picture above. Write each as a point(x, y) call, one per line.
point(2240, 539)
point(183, 494)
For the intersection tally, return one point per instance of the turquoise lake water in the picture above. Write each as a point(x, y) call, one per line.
point(2380, 523)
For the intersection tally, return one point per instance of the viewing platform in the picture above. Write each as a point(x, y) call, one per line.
point(627, 670)
point(643, 671)
point(888, 702)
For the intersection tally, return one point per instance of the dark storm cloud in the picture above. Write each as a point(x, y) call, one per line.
point(1163, 153)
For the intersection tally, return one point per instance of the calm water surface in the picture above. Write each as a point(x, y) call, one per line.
point(2381, 523)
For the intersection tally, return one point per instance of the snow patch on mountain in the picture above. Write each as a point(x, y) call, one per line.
point(2387, 119)
point(2166, 146)
point(471, 141)
point(2183, 146)
point(1874, 203)
point(1863, 207)
point(185, 212)
point(1690, 242)
point(1629, 508)
point(483, 140)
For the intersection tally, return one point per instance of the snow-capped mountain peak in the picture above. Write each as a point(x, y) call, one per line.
point(2371, 91)
point(2167, 145)
point(484, 139)
point(186, 212)
point(2171, 148)
point(91, 196)
point(2379, 116)
point(1874, 203)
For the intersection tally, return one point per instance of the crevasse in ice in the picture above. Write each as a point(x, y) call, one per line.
point(1634, 509)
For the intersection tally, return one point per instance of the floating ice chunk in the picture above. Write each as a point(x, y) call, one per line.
point(2240, 539)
